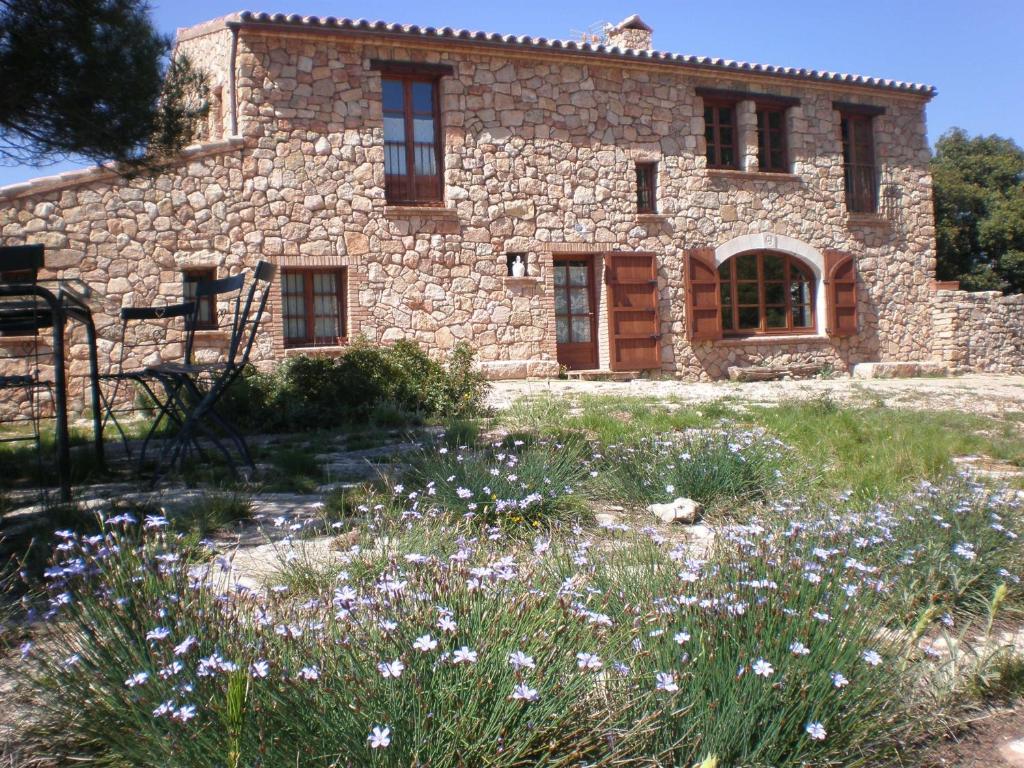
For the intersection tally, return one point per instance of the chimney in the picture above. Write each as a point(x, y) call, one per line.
point(632, 32)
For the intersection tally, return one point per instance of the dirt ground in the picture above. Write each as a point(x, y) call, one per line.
point(989, 394)
point(985, 743)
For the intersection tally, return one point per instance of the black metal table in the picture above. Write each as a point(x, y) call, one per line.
point(20, 312)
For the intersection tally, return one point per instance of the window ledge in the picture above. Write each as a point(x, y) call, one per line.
point(524, 280)
point(651, 217)
point(421, 211)
point(788, 338)
point(211, 334)
point(726, 173)
point(867, 220)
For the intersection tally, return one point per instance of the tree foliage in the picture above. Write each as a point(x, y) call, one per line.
point(979, 211)
point(92, 78)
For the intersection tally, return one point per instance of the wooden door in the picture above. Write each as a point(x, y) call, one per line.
point(634, 332)
point(575, 312)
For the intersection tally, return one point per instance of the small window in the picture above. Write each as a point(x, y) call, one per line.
point(720, 133)
point(206, 312)
point(766, 293)
point(860, 175)
point(771, 139)
point(412, 152)
point(313, 302)
point(646, 175)
point(510, 260)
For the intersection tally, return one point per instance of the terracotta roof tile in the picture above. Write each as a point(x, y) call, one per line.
point(527, 41)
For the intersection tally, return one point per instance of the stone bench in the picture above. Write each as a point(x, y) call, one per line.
point(773, 373)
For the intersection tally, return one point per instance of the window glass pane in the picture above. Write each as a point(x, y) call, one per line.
point(800, 292)
point(394, 129)
point(725, 115)
point(581, 329)
point(561, 303)
point(746, 267)
point(750, 318)
point(727, 157)
point(802, 316)
point(723, 271)
point(392, 95)
point(726, 294)
point(423, 130)
point(579, 301)
point(562, 329)
point(423, 97)
point(426, 160)
point(774, 267)
point(775, 317)
point(394, 159)
point(560, 272)
point(774, 293)
point(577, 274)
point(727, 318)
point(747, 293)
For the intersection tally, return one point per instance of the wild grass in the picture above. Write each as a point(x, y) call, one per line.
point(874, 451)
point(709, 466)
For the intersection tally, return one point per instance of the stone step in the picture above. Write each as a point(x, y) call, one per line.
point(601, 375)
point(894, 370)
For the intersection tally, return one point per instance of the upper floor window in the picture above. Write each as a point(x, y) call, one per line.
point(313, 302)
point(720, 133)
point(772, 156)
point(646, 175)
point(206, 312)
point(766, 292)
point(412, 152)
point(859, 171)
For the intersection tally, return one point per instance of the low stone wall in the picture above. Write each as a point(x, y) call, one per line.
point(982, 331)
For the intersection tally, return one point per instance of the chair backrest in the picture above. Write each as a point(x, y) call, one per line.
point(26, 312)
point(151, 315)
point(227, 289)
point(252, 313)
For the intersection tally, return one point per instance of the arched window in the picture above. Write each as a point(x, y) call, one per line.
point(765, 292)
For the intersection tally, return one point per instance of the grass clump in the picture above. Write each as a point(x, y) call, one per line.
point(518, 482)
point(709, 466)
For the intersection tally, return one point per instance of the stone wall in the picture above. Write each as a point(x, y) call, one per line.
point(981, 331)
point(539, 153)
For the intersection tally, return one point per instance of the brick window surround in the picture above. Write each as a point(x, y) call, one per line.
point(206, 316)
point(313, 307)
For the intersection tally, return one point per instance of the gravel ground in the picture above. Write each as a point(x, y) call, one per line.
point(989, 394)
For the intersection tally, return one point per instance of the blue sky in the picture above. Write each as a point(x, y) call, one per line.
point(971, 51)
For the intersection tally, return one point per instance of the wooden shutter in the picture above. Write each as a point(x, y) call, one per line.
point(634, 333)
point(703, 296)
point(840, 294)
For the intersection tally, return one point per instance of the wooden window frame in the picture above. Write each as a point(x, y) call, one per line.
point(311, 340)
point(192, 276)
point(407, 76)
point(858, 159)
point(762, 307)
point(715, 146)
point(646, 187)
point(765, 142)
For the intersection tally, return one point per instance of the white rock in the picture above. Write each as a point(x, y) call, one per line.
point(677, 511)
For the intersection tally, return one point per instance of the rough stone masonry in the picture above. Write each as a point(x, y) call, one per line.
point(539, 144)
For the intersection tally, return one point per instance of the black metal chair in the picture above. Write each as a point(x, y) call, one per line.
point(193, 389)
point(24, 314)
point(140, 378)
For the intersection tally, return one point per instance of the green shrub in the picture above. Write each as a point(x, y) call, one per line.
point(708, 466)
point(387, 384)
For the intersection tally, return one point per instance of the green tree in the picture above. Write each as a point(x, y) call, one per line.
point(979, 211)
point(92, 78)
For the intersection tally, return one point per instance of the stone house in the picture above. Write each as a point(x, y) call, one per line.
point(674, 214)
